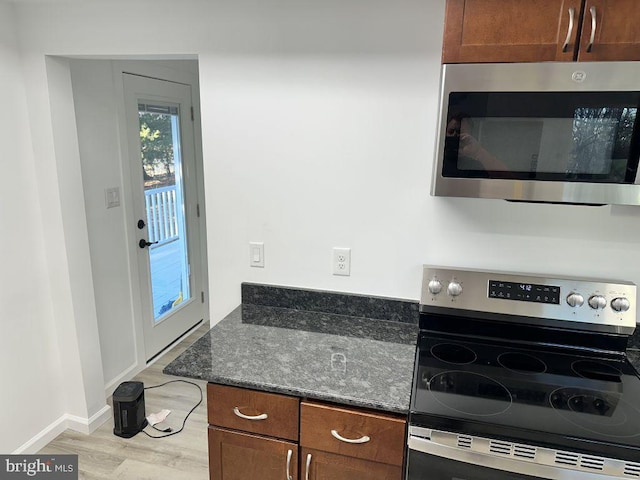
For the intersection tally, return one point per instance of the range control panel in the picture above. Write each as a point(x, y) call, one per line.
point(603, 304)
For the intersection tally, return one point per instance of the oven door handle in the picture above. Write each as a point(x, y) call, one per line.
point(425, 445)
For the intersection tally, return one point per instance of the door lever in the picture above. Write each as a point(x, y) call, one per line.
point(143, 243)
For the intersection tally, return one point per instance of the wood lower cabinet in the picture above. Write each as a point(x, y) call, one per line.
point(258, 435)
point(485, 31)
point(241, 456)
point(345, 443)
point(247, 410)
point(252, 434)
point(328, 466)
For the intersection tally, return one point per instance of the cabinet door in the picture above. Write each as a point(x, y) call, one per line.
point(317, 465)
point(610, 31)
point(240, 456)
point(482, 31)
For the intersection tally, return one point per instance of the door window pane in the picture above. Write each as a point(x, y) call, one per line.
point(164, 201)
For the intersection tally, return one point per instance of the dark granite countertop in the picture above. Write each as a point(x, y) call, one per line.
point(344, 359)
point(348, 349)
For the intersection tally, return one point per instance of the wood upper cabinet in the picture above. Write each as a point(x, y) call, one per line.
point(485, 31)
point(614, 27)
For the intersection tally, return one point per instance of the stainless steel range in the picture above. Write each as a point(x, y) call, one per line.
point(521, 377)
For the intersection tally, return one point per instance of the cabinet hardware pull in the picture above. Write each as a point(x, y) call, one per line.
point(306, 475)
point(592, 10)
point(363, 439)
point(289, 453)
point(572, 12)
point(262, 416)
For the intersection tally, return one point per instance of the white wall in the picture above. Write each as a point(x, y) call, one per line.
point(318, 131)
point(29, 355)
point(99, 146)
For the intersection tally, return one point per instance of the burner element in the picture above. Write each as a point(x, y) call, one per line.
point(594, 411)
point(522, 363)
point(453, 390)
point(453, 353)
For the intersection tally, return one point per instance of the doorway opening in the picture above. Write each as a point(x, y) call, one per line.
point(139, 139)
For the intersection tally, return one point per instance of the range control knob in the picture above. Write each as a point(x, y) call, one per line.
point(597, 302)
point(620, 304)
point(435, 287)
point(575, 299)
point(454, 289)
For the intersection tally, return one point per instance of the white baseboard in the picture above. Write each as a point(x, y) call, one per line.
point(66, 421)
point(43, 438)
point(89, 425)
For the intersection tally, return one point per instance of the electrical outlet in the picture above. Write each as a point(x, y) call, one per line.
point(342, 261)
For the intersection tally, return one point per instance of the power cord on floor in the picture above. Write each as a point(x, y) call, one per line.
point(185, 418)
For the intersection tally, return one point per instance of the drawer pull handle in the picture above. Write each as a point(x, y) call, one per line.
point(363, 439)
point(306, 475)
point(289, 453)
point(262, 416)
point(572, 13)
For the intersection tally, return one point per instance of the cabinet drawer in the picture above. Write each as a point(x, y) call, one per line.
point(273, 414)
point(335, 429)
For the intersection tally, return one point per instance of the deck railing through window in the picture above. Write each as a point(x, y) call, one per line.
point(162, 216)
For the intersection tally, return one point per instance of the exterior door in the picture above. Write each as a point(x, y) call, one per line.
point(161, 147)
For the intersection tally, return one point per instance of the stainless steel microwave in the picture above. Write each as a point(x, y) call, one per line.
point(556, 132)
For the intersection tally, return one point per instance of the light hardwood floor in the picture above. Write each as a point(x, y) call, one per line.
point(102, 455)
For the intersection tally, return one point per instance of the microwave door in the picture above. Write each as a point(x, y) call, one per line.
point(571, 147)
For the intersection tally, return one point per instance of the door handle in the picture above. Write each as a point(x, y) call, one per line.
point(306, 473)
point(594, 25)
point(143, 243)
point(289, 453)
point(565, 47)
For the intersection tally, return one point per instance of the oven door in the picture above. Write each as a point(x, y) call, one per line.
point(436, 455)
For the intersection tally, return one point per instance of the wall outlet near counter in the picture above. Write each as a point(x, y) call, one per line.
point(341, 261)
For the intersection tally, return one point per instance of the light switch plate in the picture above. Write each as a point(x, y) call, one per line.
point(256, 254)
point(112, 197)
